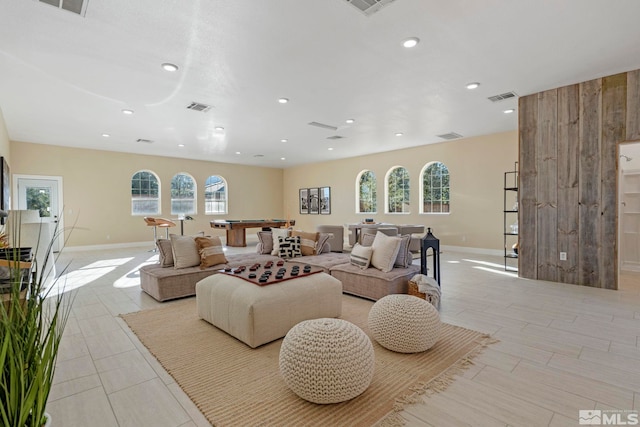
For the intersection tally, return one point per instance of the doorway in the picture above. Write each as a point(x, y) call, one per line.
point(41, 193)
point(629, 216)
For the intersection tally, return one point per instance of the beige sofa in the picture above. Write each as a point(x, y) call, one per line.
point(166, 283)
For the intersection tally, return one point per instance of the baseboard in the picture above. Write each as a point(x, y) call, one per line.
point(148, 245)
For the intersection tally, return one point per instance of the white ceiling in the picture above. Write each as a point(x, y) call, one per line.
point(64, 78)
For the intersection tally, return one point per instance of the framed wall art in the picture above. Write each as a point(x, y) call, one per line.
point(5, 186)
point(325, 200)
point(304, 200)
point(314, 200)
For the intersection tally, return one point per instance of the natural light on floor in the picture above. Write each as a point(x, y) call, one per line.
point(491, 267)
point(132, 278)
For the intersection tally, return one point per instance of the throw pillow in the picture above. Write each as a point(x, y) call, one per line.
point(361, 256)
point(404, 257)
point(211, 252)
point(307, 242)
point(165, 253)
point(185, 251)
point(367, 239)
point(289, 247)
point(265, 242)
point(385, 251)
point(322, 241)
point(277, 233)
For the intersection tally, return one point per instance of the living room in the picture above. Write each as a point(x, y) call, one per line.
point(574, 343)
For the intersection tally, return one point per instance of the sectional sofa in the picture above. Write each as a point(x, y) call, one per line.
point(176, 274)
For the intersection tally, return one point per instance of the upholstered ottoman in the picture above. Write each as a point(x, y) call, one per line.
point(256, 314)
point(404, 323)
point(326, 360)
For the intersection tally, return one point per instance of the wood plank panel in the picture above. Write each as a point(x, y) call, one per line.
point(633, 106)
point(614, 103)
point(590, 175)
point(527, 253)
point(547, 189)
point(568, 162)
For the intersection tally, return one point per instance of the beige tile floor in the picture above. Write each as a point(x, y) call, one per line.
point(562, 348)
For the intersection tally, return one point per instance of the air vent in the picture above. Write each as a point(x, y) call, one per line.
point(146, 141)
point(323, 126)
point(369, 7)
point(451, 135)
point(76, 6)
point(335, 137)
point(502, 96)
point(197, 106)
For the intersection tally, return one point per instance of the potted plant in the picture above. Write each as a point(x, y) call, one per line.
point(31, 329)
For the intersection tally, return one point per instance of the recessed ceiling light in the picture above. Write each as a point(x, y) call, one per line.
point(399, 134)
point(411, 42)
point(283, 100)
point(237, 152)
point(472, 85)
point(349, 121)
point(106, 135)
point(219, 128)
point(283, 158)
point(509, 111)
point(330, 148)
point(284, 140)
point(180, 145)
point(127, 112)
point(169, 67)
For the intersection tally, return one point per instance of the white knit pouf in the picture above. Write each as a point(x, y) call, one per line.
point(326, 360)
point(404, 323)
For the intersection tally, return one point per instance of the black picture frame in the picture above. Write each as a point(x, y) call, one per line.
point(303, 197)
point(5, 187)
point(325, 200)
point(314, 201)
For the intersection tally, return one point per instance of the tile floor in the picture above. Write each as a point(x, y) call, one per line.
point(562, 348)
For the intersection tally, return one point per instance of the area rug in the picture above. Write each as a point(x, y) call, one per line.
point(233, 384)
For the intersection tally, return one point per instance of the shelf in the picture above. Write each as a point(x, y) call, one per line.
point(510, 234)
point(511, 255)
point(511, 188)
point(510, 211)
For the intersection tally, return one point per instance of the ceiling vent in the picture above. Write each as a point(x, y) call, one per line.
point(503, 96)
point(369, 7)
point(449, 136)
point(197, 106)
point(323, 126)
point(146, 141)
point(76, 6)
point(335, 137)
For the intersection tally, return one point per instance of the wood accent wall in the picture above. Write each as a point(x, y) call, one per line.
point(568, 156)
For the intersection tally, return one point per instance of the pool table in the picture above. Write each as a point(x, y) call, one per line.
point(237, 229)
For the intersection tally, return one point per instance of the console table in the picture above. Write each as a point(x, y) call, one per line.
point(237, 229)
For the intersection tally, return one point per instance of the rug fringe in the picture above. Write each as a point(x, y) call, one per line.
point(436, 385)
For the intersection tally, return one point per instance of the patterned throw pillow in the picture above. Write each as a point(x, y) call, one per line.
point(165, 253)
point(322, 240)
point(361, 256)
point(277, 233)
point(307, 242)
point(289, 247)
point(385, 251)
point(211, 252)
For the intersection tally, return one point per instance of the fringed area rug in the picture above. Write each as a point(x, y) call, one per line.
point(234, 385)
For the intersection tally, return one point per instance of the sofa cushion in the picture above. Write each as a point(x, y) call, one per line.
point(165, 253)
point(373, 283)
point(185, 251)
point(265, 242)
point(289, 247)
point(404, 257)
point(210, 250)
point(308, 241)
point(385, 251)
point(361, 256)
point(276, 233)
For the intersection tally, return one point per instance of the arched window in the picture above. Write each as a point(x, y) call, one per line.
point(215, 195)
point(145, 193)
point(436, 195)
point(398, 190)
point(183, 194)
point(366, 189)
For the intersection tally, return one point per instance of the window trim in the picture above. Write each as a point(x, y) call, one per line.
point(195, 195)
point(159, 198)
point(421, 195)
point(226, 196)
point(386, 191)
point(375, 185)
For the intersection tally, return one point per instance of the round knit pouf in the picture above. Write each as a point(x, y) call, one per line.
point(326, 360)
point(404, 323)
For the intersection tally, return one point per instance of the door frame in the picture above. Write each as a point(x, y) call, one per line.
point(58, 179)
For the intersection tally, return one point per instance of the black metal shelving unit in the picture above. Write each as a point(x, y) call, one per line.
point(510, 219)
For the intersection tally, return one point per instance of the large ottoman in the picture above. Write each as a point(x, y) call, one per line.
point(256, 314)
